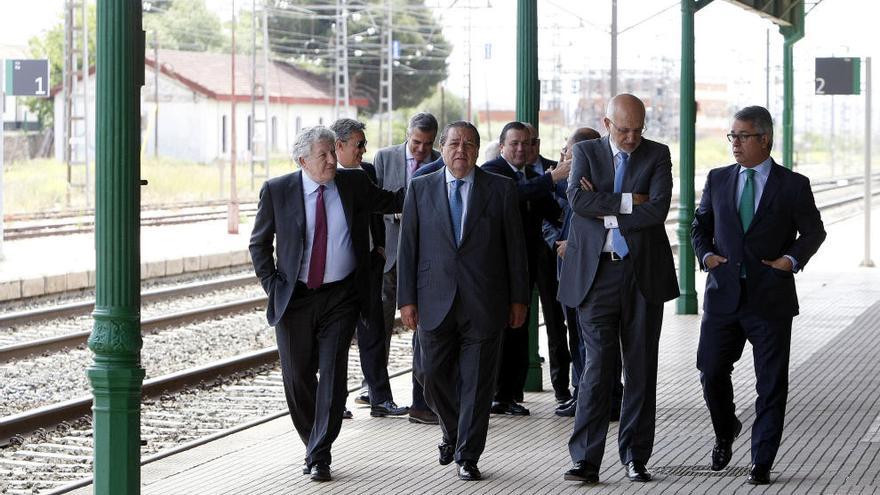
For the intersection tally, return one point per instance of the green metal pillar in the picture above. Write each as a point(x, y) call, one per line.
point(687, 302)
point(116, 375)
point(792, 35)
point(528, 101)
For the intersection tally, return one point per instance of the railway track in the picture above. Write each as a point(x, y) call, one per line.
point(83, 221)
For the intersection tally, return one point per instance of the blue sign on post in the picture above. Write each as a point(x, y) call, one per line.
point(27, 78)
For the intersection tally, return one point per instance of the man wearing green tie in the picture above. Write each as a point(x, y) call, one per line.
point(756, 226)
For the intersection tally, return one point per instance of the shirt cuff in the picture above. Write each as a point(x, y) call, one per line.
point(706, 256)
point(795, 267)
point(626, 203)
point(610, 221)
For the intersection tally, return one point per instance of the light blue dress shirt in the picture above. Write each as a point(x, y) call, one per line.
point(340, 251)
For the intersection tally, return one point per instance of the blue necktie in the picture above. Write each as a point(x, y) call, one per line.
point(618, 243)
point(520, 176)
point(456, 209)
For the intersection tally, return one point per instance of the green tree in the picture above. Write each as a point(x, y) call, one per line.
point(184, 25)
point(307, 40)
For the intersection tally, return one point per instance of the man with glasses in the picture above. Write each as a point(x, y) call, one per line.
point(374, 342)
point(757, 225)
point(618, 271)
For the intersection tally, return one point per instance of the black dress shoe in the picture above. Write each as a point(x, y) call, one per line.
point(468, 471)
point(306, 468)
point(509, 409)
point(565, 404)
point(387, 408)
point(346, 414)
point(363, 399)
point(423, 417)
point(582, 471)
point(723, 450)
point(636, 471)
point(562, 401)
point(447, 452)
point(759, 475)
point(566, 412)
point(321, 472)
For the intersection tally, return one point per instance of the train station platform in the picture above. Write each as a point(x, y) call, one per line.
point(831, 442)
point(49, 265)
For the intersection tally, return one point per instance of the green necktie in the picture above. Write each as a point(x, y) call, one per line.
point(747, 200)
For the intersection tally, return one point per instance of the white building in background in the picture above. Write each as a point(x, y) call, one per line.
point(195, 106)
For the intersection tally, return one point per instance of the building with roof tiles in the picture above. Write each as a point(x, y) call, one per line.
point(194, 106)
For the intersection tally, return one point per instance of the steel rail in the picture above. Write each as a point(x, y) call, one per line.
point(149, 325)
point(84, 307)
point(42, 417)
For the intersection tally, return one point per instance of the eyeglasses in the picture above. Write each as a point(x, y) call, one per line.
point(638, 132)
point(741, 137)
point(360, 144)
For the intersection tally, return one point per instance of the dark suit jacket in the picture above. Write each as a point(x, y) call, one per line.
point(390, 166)
point(377, 223)
point(786, 222)
point(488, 269)
point(649, 171)
point(281, 218)
point(536, 204)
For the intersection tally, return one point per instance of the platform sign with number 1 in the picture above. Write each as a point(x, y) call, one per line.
point(19, 78)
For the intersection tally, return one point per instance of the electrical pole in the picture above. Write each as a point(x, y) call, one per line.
point(156, 94)
point(613, 82)
point(232, 210)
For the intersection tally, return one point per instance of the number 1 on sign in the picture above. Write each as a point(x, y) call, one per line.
point(39, 82)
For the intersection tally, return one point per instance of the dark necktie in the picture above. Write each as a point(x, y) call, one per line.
point(319, 244)
point(456, 209)
point(618, 243)
point(520, 176)
point(747, 200)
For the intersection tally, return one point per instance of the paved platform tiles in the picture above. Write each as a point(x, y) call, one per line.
point(831, 442)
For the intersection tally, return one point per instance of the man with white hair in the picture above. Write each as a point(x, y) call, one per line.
point(310, 249)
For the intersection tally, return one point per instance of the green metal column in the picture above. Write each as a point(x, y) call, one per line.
point(792, 35)
point(528, 101)
point(687, 302)
point(116, 375)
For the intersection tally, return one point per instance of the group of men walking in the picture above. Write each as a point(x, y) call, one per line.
point(458, 248)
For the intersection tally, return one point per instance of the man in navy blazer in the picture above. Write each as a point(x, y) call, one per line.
point(757, 225)
point(536, 203)
point(618, 271)
point(461, 280)
point(311, 251)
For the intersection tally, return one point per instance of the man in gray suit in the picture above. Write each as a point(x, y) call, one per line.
point(618, 271)
point(395, 166)
point(462, 280)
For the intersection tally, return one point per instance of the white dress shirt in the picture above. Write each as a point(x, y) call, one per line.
point(340, 251)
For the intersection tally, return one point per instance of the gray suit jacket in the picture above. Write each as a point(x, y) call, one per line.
point(281, 218)
point(649, 171)
point(488, 270)
point(390, 166)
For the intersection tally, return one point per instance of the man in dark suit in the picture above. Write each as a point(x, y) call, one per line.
point(535, 202)
point(618, 271)
point(374, 343)
point(462, 280)
point(310, 249)
point(757, 224)
point(395, 166)
point(545, 278)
